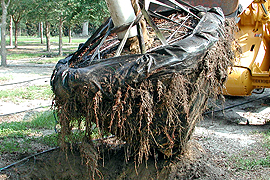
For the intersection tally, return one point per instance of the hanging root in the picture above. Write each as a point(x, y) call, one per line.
point(155, 111)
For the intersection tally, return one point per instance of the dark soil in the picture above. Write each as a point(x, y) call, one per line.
point(194, 164)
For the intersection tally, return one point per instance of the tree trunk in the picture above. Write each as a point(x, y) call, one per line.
point(10, 32)
point(69, 34)
point(147, 40)
point(60, 37)
point(41, 32)
point(47, 34)
point(16, 33)
point(3, 33)
point(85, 29)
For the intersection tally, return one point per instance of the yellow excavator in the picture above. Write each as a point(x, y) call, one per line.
point(251, 67)
point(250, 70)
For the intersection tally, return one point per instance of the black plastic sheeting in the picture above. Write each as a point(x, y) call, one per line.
point(107, 75)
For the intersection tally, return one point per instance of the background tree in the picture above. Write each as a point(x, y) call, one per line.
point(69, 13)
point(44, 11)
point(4, 5)
point(79, 11)
point(10, 32)
point(18, 9)
point(40, 29)
point(60, 12)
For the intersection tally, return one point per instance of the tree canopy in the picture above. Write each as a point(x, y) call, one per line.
point(73, 12)
point(56, 14)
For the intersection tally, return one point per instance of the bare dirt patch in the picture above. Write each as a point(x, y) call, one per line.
point(60, 165)
point(234, 137)
point(20, 74)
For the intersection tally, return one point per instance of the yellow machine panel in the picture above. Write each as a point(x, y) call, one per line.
point(251, 68)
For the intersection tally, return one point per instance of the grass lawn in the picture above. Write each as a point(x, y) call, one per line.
point(37, 130)
point(246, 161)
point(31, 48)
point(26, 93)
point(19, 137)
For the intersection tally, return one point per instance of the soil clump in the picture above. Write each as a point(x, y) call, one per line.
point(194, 164)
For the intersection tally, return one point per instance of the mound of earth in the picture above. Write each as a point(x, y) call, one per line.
point(58, 164)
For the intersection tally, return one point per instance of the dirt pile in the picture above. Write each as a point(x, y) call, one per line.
point(69, 165)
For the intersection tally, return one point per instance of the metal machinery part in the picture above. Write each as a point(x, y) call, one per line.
point(228, 6)
point(251, 67)
point(122, 12)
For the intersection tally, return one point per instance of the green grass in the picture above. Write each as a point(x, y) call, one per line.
point(39, 58)
point(37, 54)
point(44, 120)
point(28, 40)
point(13, 145)
point(18, 136)
point(249, 163)
point(30, 47)
point(25, 55)
point(26, 93)
point(25, 136)
point(266, 143)
point(47, 60)
point(49, 140)
point(6, 78)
